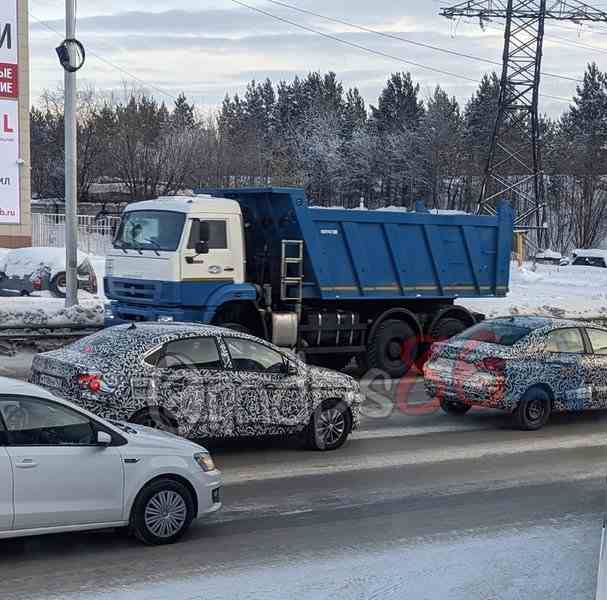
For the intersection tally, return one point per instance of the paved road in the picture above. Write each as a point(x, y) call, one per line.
point(418, 505)
point(470, 514)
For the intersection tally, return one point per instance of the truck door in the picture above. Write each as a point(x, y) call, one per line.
point(214, 251)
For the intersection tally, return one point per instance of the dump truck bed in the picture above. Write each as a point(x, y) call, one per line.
point(362, 254)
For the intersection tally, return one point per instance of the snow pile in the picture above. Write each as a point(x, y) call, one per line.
point(551, 290)
point(24, 262)
point(49, 312)
point(3, 254)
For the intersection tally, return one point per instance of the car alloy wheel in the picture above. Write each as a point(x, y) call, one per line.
point(330, 426)
point(165, 514)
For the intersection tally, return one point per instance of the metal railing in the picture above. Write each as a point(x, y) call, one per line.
point(94, 235)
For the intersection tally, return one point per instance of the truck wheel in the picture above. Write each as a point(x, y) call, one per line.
point(388, 349)
point(442, 330)
point(58, 285)
point(156, 418)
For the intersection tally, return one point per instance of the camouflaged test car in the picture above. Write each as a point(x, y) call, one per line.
point(529, 366)
point(202, 382)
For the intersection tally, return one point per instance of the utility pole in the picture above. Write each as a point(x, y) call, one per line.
point(71, 56)
point(71, 166)
point(514, 166)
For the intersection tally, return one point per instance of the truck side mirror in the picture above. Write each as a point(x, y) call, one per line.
point(202, 247)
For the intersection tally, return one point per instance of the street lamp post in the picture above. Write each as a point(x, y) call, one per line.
point(71, 165)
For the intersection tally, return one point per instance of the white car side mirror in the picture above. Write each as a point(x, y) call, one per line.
point(103, 438)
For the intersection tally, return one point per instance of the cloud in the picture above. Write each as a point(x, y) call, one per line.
point(208, 52)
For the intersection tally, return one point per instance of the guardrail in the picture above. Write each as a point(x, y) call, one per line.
point(41, 339)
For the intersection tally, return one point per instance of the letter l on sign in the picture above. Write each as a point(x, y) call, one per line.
point(7, 126)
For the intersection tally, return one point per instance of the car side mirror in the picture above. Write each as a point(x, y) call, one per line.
point(202, 247)
point(290, 369)
point(103, 438)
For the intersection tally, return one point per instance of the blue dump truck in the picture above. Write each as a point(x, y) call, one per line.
point(331, 283)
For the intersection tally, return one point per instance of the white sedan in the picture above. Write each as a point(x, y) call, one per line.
point(64, 469)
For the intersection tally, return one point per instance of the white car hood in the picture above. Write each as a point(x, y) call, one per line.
point(146, 437)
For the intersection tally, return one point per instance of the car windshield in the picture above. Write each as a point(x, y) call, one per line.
point(502, 333)
point(150, 230)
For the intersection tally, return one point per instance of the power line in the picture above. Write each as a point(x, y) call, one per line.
point(406, 40)
point(107, 62)
point(370, 50)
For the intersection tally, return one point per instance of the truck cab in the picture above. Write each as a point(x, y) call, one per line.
point(175, 258)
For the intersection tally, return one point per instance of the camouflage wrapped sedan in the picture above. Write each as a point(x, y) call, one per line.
point(529, 366)
point(202, 382)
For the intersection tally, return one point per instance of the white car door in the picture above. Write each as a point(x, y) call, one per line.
point(61, 477)
point(6, 487)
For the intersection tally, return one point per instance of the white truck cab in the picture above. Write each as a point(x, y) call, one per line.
point(180, 239)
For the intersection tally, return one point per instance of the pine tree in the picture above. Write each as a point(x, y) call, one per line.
point(399, 107)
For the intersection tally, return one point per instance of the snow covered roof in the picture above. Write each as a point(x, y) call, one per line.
point(22, 262)
point(188, 204)
point(590, 253)
point(549, 254)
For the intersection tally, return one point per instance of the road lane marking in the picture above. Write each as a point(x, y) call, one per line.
point(390, 432)
point(339, 462)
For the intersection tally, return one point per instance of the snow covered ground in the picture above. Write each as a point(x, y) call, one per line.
point(569, 291)
point(49, 312)
point(557, 561)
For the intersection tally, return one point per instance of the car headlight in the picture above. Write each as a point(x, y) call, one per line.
point(205, 461)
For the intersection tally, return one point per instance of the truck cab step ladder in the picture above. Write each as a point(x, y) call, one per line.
point(291, 271)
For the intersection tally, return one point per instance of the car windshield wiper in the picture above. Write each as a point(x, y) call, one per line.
point(122, 426)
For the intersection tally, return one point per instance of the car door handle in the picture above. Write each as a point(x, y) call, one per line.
point(26, 463)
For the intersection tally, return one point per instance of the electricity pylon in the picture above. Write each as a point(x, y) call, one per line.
point(514, 163)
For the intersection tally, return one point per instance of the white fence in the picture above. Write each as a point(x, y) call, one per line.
point(94, 235)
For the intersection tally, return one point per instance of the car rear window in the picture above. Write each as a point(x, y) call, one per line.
point(502, 333)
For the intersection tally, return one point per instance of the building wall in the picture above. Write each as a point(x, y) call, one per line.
point(16, 236)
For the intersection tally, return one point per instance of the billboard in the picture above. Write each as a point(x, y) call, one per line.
point(9, 115)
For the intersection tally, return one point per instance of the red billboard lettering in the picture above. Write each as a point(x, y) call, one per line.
point(8, 81)
point(6, 125)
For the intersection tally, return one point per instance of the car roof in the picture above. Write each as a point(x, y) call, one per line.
point(152, 333)
point(544, 322)
point(16, 387)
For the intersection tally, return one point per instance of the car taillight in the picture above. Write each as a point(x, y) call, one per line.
point(37, 284)
point(493, 364)
point(90, 381)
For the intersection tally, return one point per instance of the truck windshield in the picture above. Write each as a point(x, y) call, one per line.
point(150, 230)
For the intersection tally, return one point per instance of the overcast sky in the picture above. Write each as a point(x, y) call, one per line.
point(206, 48)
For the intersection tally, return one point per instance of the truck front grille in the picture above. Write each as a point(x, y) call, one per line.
point(129, 291)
